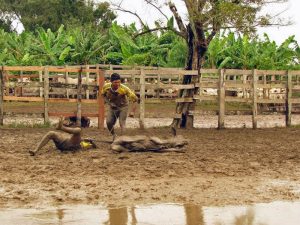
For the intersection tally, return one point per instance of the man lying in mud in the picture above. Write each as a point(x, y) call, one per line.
point(144, 143)
point(64, 141)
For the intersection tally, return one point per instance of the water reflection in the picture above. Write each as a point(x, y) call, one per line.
point(117, 216)
point(193, 214)
point(276, 213)
point(246, 219)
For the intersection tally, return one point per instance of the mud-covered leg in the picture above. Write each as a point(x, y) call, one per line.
point(122, 118)
point(52, 135)
point(111, 119)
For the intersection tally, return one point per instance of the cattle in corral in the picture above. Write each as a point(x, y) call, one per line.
point(232, 93)
point(23, 79)
point(277, 93)
point(71, 80)
point(91, 80)
point(243, 93)
point(61, 80)
point(150, 92)
point(34, 91)
point(73, 92)
point(209, 91)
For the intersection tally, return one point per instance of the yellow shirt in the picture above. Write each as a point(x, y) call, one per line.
point(86, 145)
point(119, 97)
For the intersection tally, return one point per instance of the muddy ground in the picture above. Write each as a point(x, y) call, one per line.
point(218, 167)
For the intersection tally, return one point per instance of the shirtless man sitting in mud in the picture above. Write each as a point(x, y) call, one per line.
point(63, 141)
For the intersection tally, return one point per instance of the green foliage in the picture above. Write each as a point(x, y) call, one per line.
point(52, 46)
point(170, 23)
point(114, 58)
point(85, 45)
point(18, 49)
point(52, 13)
point(6, 24)
point(138, 59)
point(124, 40)
point(29, 125)
point(244, 53)
point(150, 49)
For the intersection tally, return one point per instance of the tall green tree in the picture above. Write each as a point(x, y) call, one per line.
point(52, 13)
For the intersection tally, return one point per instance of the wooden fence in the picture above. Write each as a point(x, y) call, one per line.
point(12, 77)
point(249, 86)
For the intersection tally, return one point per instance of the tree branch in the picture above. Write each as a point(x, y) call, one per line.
point(119, 8)
point(155, 6)
point(178, 19)
point(159, 28)
point(215, 22)
point(201, 4)
point(189, 7)
point(253, 26)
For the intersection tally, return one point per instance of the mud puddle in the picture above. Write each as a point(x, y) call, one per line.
point(163, 214)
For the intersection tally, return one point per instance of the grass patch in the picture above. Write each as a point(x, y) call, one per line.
point(229, 106)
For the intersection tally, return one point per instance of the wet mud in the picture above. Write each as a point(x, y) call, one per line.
point(218, 167)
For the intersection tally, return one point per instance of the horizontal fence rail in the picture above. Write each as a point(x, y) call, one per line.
point(82, 84)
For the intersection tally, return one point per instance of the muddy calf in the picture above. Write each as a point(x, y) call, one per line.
point(144, 143)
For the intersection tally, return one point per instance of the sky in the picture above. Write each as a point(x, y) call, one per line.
point(278, 34)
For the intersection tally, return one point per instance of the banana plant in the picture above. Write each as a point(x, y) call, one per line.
point(87, 46)
point(18, 49)
point(51, 47)
point(215, 56)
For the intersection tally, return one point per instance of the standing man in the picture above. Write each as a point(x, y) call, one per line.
point(116, 95)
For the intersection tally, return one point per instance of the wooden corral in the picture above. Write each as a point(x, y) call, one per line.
point(82, 84)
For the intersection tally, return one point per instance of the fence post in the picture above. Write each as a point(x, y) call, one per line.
point(21, 88)
point(158, 84)
point(79, 97)
point(87, 92)
point(100, 75)
point(66, 80)
point(221, 99)
point(41, 80)
point(254, 106)
point(97, 73)
point(1, 95)
point(265, 90)
point(46, 94)
point(244, 83)
point(288, 104)
point(142, 99)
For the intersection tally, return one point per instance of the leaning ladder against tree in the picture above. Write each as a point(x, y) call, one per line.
point(197, 46)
